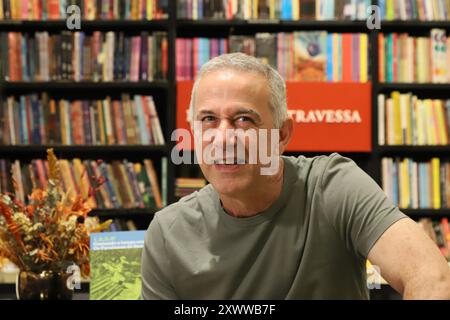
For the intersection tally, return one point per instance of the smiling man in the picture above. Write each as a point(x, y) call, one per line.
point(302, 232)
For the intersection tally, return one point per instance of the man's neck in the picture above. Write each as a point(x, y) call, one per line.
point(259, 199)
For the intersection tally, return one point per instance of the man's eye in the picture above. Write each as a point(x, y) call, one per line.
point(244, 119)
point(208, 119)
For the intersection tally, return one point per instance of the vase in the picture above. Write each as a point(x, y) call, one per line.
point(46, 285)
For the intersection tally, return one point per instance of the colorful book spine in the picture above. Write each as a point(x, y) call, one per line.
point(91, 9)
point(80, 122)
point(405, 58)
point(337, 57)
point(416, 185)
point(404, 119)
point(78, 56)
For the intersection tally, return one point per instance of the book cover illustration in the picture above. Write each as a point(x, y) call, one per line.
point(116, 265)
point(311, 56)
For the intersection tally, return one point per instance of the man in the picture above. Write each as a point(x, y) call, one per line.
point(302, 232)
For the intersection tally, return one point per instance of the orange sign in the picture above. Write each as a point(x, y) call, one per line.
point(327, 116)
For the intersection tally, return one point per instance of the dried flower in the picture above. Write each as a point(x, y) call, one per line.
point(50, 232)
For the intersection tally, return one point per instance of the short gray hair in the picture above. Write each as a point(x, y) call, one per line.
point(246, 63)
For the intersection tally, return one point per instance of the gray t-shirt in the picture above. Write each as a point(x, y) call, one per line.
point(311, 243)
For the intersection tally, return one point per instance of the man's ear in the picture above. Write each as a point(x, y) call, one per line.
point(286, 132)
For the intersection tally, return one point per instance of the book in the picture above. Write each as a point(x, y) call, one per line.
point(438, 40)
point(436, 191)
point(265, 48)
point(151, 173)
point(310, 56)
point(308, 9)
point(186, 186)
point(115, 263)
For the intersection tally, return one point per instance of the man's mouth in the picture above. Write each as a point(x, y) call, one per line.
point(229, 162)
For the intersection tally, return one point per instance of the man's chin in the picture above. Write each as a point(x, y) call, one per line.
point(231, 189)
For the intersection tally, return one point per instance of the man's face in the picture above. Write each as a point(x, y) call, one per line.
point(229, 100)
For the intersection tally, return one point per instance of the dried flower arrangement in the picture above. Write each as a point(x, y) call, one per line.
point(50, 232)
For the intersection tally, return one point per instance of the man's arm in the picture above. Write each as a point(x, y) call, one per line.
point(372, 227)
point(411, 262)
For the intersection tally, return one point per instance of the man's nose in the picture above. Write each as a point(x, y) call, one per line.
point(225, 134)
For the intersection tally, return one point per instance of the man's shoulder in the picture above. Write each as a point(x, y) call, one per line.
point(190, 207)
point(316, 165)
point(313, 172)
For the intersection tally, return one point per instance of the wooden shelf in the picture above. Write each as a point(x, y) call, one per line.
point(413, 150)
point(163, 24)
point(413, 25)
point(124, 213)
point(427, 213)
point(82, 151)
point(82, 85)
point(413, 87)
point(86, 25)
point(280, 25)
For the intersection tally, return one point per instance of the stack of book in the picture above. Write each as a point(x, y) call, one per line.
point(273, 9)
point(185, 186)
point(127, 184)
point(403, 119)
point(413, 185)
point(89, 9)
point(404, 58)
point(30, 120)
point(76, 56)
point(298, 56)
point(423, 10)
point(439, 232)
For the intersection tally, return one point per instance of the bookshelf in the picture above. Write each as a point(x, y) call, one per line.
point(162, 91)
point(427, 213)
point(165, 91)
point(184, 25)
point(413, 26)
point(100, 25)
point(83, 85)
point(92, 151)
point(413, 150)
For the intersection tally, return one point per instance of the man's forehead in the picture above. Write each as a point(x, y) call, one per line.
point(232, 83)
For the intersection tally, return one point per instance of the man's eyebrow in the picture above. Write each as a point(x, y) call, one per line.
point(249, 112)
point(205, 112)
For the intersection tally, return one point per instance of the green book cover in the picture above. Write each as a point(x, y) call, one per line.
point(389, 58)
point(115, 261)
